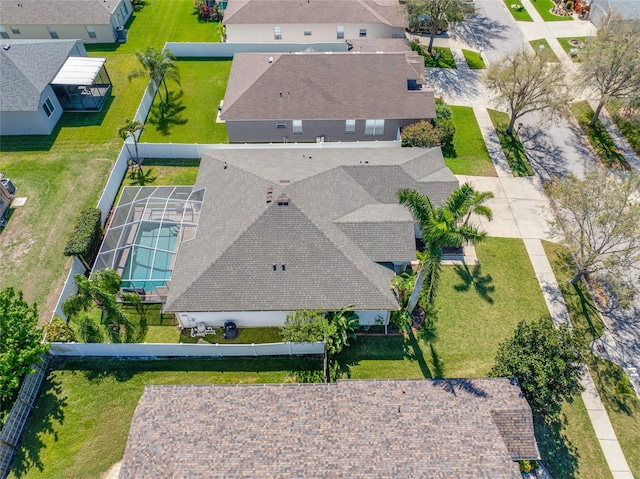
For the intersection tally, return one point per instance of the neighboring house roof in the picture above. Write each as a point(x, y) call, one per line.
point(339, 12)
point(446, 428)
point(342, 218)
point(57, 12)
point(309, 86)
point(26, 68)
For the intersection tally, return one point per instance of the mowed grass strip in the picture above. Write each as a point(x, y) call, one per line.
point(542, 46)
point(623, 407)
point(474, 59)
point(511, 145)
point(567, 47)
point(628, 122)
point(477, 308)
point(519, 13)
point(544, 8)
point(191, 115)
point(80, 424)
point(468, 155)
point(599, 138)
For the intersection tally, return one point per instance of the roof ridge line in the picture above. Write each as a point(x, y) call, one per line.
point(374, 13)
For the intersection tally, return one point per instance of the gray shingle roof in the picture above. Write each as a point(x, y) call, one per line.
point(326, 86)
point(57, 12)
point(388, 12)
point(372, 45)
point(366, 429)
point(338, 224)
point(26, 69)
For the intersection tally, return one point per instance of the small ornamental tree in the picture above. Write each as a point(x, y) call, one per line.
point(547, 361)
point(59, 331)
point(20, 346)
point(304, 326)
point(86, 237)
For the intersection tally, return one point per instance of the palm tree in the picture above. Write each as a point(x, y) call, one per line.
point(158, 65)
point(130, 129)
point(100, 291)
point(441, 227)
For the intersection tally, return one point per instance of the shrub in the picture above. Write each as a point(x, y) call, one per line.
point(528, 466)
point(443, 111)
point(420, 134)
point(58, 331)
point(446, 130)
point(304, 326)
point(86, 237)
point(569, 5)
point(401, 320)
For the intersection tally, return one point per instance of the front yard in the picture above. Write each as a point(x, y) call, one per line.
point(468, 154)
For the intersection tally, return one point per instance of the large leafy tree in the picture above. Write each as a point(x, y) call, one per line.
point(131, 129)
point(20, 346)
point(100, 292)
point(524, 82)
point(547, 361)
point(444, 226)
point(434, 14)
point(599, 219)
point(157, 65)
point(610, 62)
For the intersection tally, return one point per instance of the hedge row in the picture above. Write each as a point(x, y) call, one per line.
point(86, 237)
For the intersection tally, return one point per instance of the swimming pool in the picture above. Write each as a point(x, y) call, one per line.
point(151, 256)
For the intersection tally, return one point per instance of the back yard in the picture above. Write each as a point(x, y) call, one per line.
point(63, 173)
point(80, 425)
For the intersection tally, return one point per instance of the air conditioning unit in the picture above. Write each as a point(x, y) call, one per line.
point(320, 139)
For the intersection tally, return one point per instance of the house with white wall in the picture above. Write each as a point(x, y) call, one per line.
point(93, 21)
point(286, 229)
point(313, 20)
point(39, 79)
point(329, 97)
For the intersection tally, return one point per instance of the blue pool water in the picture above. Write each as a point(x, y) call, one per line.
point(147, 265)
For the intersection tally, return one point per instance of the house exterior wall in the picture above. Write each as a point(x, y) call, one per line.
point(265, 131)
point(260, 319)
point(32, 122)
point(105, 33)
point(320, 32)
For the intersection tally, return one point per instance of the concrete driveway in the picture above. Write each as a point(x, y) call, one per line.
point(519, 207)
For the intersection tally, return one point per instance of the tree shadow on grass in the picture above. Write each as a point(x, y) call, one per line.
point(482, 284)
point(168, 115)
point(558, 453)
point(49, 412)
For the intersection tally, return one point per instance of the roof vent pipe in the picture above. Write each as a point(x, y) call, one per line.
point(270, 59)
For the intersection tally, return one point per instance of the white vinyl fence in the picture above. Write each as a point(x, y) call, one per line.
point(69, 287)
point(152, 350)
point(227, 50)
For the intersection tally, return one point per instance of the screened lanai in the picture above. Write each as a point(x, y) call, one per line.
point(82, 84)
point(142, 239)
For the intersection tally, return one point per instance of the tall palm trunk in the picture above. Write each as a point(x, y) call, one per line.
point(428, 277)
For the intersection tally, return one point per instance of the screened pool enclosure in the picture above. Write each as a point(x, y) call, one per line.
point(144, 234)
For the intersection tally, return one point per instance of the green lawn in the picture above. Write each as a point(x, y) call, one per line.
point(474, 59)
point(564, 42)
point(191, 116)
point(511, 145)
point(544, 9)
point(599, 138)
point(628, 125)
point(520, 13)
point(475, 312)
point(80, 425)
point(64, 172)
point(623, 409)
point(546, 49)
point(469, 155)
point(441, 58)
